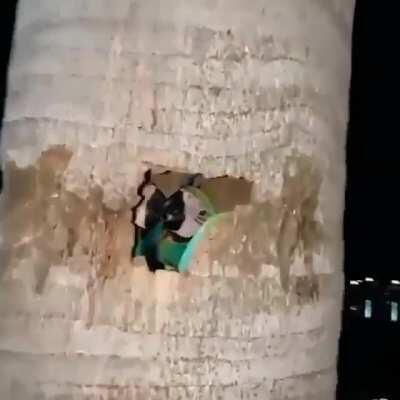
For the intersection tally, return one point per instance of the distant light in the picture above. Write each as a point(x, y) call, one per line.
point(353, 308)
point(368, 309)
point(368, 279)
point(395, 282)
point(394, 311)
point(354, 283)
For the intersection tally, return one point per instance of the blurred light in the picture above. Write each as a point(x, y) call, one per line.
point(394, 311)
point(368, 309)
point(353, 308)
point(354, 283)
point(395, 282)
point(368, 279)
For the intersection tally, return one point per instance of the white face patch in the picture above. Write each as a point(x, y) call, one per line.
point(148, 191)
point(193, 209)
point(140, 219)
point(192, 204)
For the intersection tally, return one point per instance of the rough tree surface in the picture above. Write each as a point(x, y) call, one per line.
point(101, 90)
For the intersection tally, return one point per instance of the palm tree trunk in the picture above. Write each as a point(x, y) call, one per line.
point(101, 90)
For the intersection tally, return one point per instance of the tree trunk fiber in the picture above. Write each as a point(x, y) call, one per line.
point(100, 91)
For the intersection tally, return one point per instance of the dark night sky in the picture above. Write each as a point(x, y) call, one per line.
point(7, 17)
point(372, 199)
point(371, 218)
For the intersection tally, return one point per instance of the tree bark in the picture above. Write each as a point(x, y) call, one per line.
point(98, 92)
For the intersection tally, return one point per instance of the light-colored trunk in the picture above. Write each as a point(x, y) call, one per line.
point(99, 91)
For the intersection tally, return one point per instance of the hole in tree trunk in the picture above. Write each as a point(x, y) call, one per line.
point(173, 211)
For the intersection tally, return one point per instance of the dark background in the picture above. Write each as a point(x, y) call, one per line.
point(369, 350)
point(372, 149)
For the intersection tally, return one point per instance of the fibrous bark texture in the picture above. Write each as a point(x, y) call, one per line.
point(100, 91)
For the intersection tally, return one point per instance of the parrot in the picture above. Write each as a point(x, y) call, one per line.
point(166, 225)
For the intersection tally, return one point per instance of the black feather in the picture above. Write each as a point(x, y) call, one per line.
point(174, 211)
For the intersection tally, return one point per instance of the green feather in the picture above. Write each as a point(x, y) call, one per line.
point(187, 257)
point(171, 251)
point(153, 236)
